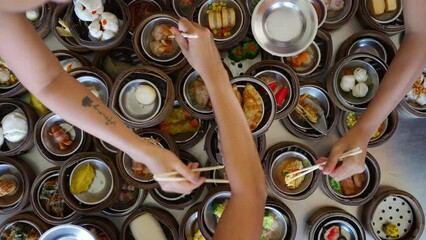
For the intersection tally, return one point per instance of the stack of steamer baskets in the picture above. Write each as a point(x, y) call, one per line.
point(149, 85)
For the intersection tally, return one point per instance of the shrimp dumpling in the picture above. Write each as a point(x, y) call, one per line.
point(360, 90)
point(88, 10)
point(347, 83)
point(360, 74)
point(105, 27)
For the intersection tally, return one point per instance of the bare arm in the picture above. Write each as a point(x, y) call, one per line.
point(405, 68)
point(245, 174)
point(40, 72)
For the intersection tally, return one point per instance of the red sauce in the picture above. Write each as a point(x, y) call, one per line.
point(140, 10)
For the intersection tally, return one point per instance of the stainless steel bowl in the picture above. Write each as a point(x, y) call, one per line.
point(186, 88)
point(146, 39)
point(280, 78)
point(67, 232)
point(370, 46)
point(134, 110)
point(366, 183)
point(49, 143)
point(9, 172)
point(277, 180)
point(101, 187)
point(372, 82)
point(95, 84)
point(268, 101)
point(334, 17)
point(387, 17)
point(346, 128)
point(297, 17)
point(304, 71)
point(27, 224)
point(280, 232)
point(2, 64)
point(169, 196)
point(15, 145)
point(239, 18)
point(208, 217)
point(322, 98)
point(191, 225)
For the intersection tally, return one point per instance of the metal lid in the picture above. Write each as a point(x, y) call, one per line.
point(67, 232)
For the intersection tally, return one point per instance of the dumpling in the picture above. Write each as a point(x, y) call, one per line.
point(32, 14)
point(360, 90)
point(88, 10)
point(422, 99)
point(145, 94)
point(347, 83)
point(15, 127)
point(360, 74)
point(70, 64)
point(411, 96)
point(105, 27)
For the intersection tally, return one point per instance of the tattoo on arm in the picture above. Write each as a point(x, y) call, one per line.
point(88, 103)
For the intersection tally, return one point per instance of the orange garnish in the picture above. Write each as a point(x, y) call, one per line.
point(94, 12)
point(104, 22)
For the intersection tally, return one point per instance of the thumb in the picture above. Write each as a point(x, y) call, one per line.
point(186, 172)
point(333, 158)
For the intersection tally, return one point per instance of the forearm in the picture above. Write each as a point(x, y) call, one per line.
point(406, 67)
point(40, 72)
point(239, 150)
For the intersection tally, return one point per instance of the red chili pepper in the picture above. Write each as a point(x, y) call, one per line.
point(273, 86)
point(94, 12)
point(280, 96)
point(193, 123)
point(104, 22)
point(251, 47)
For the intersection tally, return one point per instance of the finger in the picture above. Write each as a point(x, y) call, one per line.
point(333, 158)
point(186, 26)
point(180, 40)
point(186, 172)
point(321, 160)
point(347, 169)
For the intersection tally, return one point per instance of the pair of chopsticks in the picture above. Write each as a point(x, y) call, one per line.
point(169, 177)
point(307, 170)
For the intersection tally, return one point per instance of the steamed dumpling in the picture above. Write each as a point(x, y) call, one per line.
point(147, 227)
point(32, 14)
point(145, 94)
point(88, 10)
point(347, 83)
point(15, 127)
point(360, 90)
point(411, 96)
point(360, 74)
point(105, 27)
point(421, 100)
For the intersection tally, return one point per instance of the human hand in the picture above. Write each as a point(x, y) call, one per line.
point(351, 165)
point(200, 52)
point(160, 160)
point(23, 5)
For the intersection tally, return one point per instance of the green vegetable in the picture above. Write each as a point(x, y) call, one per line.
point(250, 49)
point(236, 54)
point(218, 209)
point(268, 221)
point(335, 185)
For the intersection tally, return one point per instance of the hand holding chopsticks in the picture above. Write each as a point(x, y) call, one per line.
point(304, 171)
point(169, 177)
point(185, 35)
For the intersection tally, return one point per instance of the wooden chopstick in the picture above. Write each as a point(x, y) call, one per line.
point(307, 170)
point(204, 169)
point(185, 35)
point(180, 179)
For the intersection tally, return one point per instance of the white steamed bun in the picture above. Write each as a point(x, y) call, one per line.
point(15, 127)
point(1, 136)
point(347, 83)
point(105, 27)
point(145, 94)
point(421, 100)
point(88, 10)
point(32, 14)
point(360, 90)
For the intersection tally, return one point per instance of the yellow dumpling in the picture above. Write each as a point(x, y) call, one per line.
point(82, 179)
